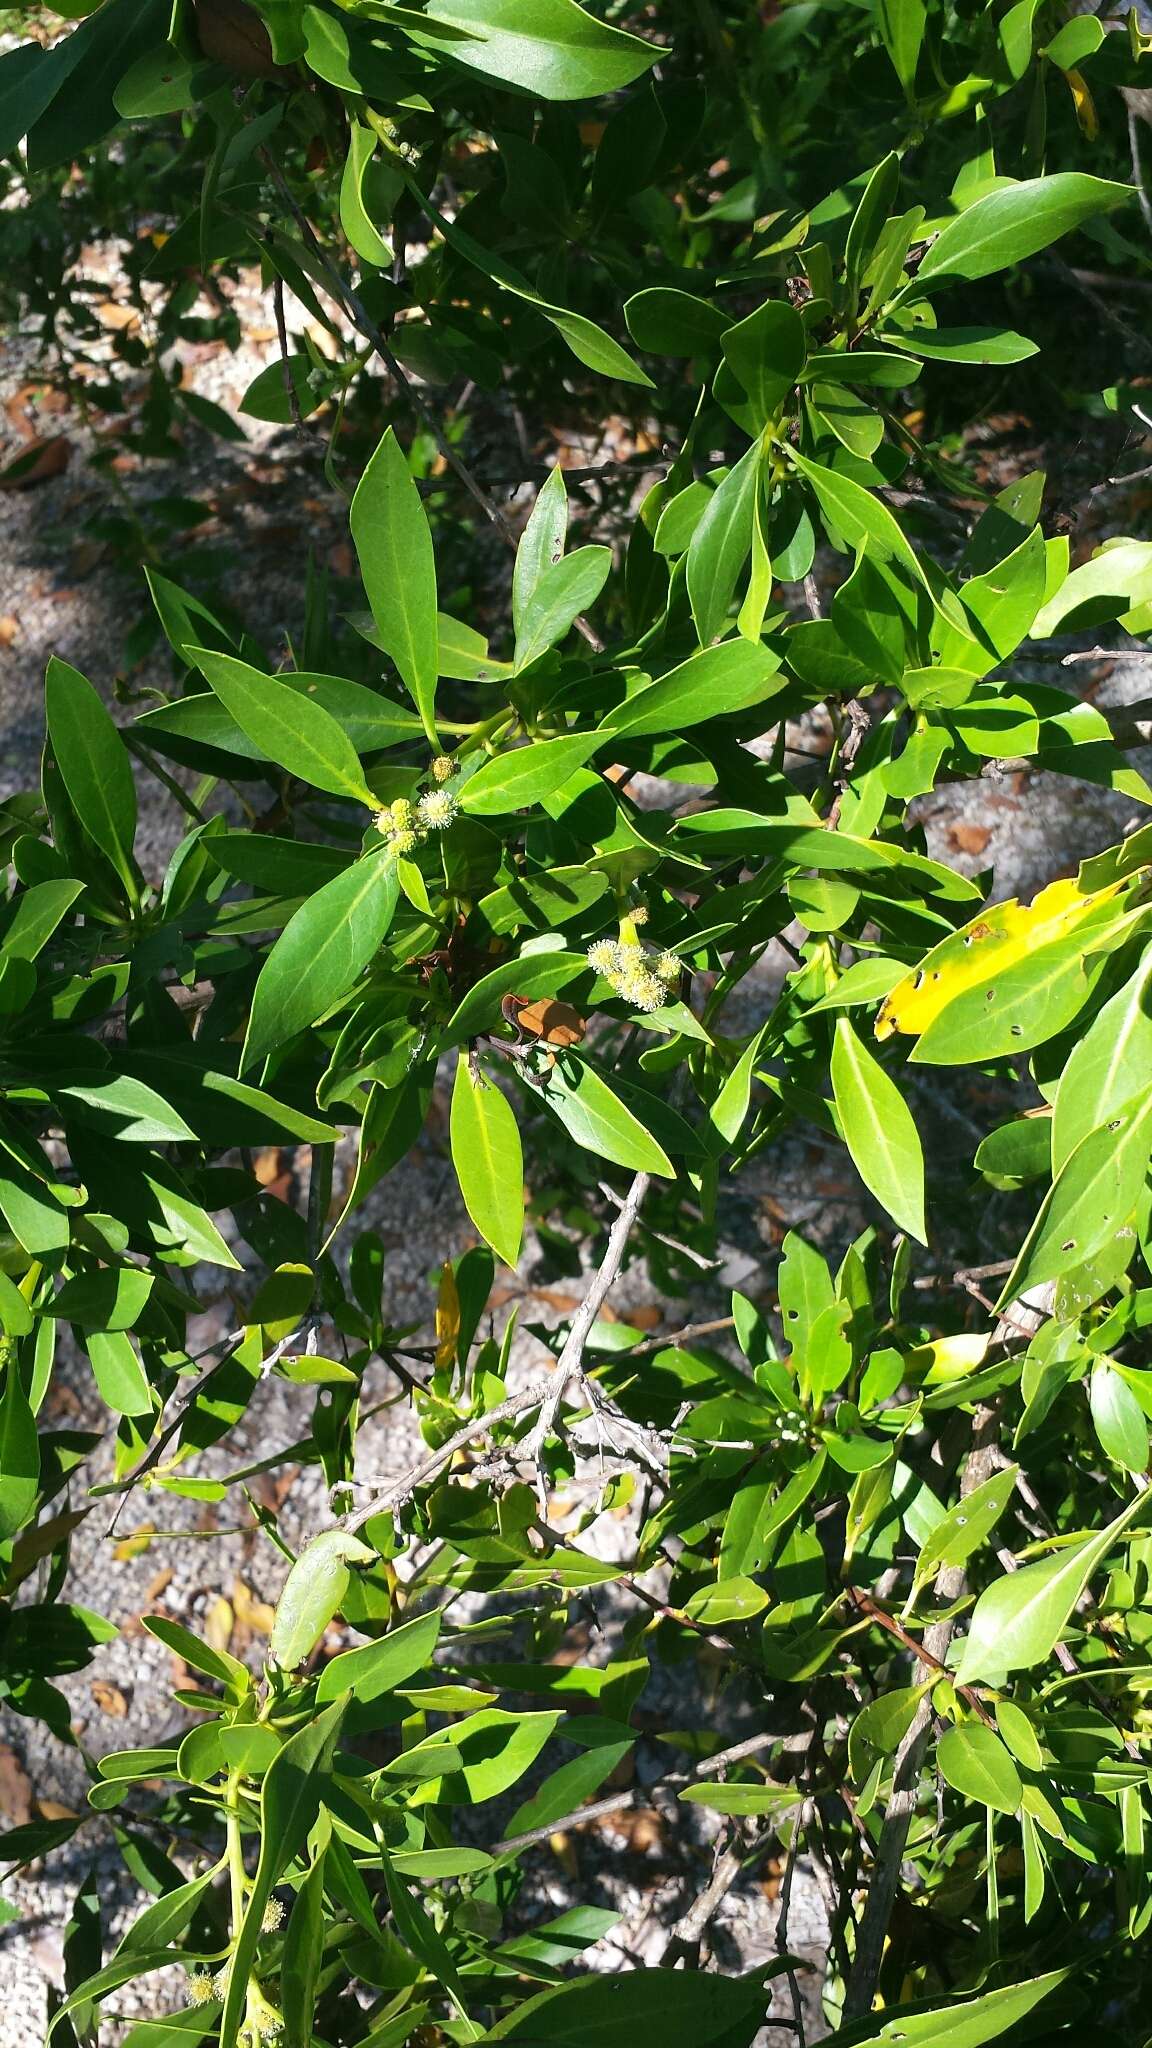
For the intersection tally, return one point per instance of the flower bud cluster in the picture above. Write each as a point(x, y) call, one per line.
point(641, 975)
point(405, 825)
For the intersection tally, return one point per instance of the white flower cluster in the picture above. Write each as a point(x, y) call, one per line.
point(405, 825)
point(641, 975)
point(201, 1990)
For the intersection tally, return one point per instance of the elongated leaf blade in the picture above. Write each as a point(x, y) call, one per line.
point(287, 726)
point(879, 1130)
point(321, 951)
point(394, 546)
point(489, 1160)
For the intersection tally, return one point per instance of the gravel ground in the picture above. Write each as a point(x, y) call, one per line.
point(61, 593)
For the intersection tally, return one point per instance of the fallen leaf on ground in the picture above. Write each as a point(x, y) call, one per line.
point(108, 1698)
point(218, 1624)
point(38, 463)
point(15, 1788)
point(969, 838)
point(134, 1545)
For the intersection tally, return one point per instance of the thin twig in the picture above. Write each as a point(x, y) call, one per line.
point(155, 1451)
point(619, 1802)
point(1084, 282)
point(358, 313)
point(1111, 653)
point(674, 1337)
point(683, 1943)
point(570, 1363)
point(780, 1937)
point(285, 358)
point(1137, 166)
point(545, 1391)
point(905, 1793)
point(385, 1499)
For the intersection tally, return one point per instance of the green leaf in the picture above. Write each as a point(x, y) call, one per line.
point(394, 546)
point(735, 1599)
point(588, 343)
point(741, 1801)
point(36, 1219)
point(568, 1787)
point(549, 48)
point(289, 1802)
point(19, 1451)
point(489, 1159)
point(858, 517)
point(731, 1105)
point(1106, 1067)
point(312, 1594)
point(355, 219)
point(711, 684)
point(267, 395)
point(29, 79)
point(118, 1373)
point(878, 1130)
point(1009, 225)
point(668, 322)
point(533, 974)
point(964, 344)
point(901, 24)
point(35, 915)
point(967, 1525)
point(304, 1953)
point(494, 1748)
point(562, 591)
point(1118, 1419)
point(160, 82)
point(87, 65)
point(547, 898)
point(321, 951)
point(124, 1108)
point(1090, 1202)
point(877, 202)
point(1115, 581)
point(112, 1298)
point(1017, 1731)
point(975, 1763)
point(765, 353)
point(94, 765)
point(593, 1114)
point(1019, 1620)
point(16, 1318)
point(721, 544)
point(377, 1668)
point(214, 1747)
point(695, 2006)
point(286, 725)
point(167, 1917)
point(227, 1670)
point(541, 545)
point(526, 775)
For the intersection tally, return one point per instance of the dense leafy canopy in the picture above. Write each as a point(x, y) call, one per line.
point(538, 847)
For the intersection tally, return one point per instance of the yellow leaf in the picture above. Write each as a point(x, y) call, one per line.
point(1002, 934)
point(218, 1624)
point(447, 1318)
point(949, 1358)
point(1084, 104)
point(256, 1614)
point(136, 1544)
